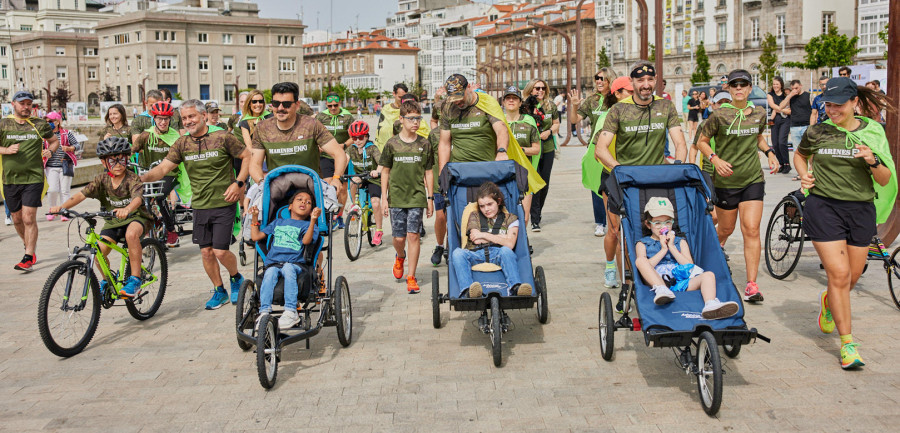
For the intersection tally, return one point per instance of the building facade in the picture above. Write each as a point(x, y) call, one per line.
point(47, 60)
point(365, 60)
point(872, 18)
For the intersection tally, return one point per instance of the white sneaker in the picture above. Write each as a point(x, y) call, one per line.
point(663, 295)
point(716, 309)
point(288, 319)
point(8, 221)
point(600, 230)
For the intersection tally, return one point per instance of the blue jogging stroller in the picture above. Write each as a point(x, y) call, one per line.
point(319, 303)
point(678, 324)
point(461, 182)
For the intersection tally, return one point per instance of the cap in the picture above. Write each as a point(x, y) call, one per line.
point(22, 95)
point(456, 86)
point(739, 75)
point(621, 83)
point(212, 106)
point(839, 90)
point(720, 97)
point(659, 206)
point(512, 90)
point(54, 116)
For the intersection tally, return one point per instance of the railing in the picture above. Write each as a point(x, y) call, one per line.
point(751, 43)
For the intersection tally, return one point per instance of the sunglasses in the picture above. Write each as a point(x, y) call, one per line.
point(739, 84)
point(413, 118)
point(541, 88)
point(599, 77)
point(360, 138)
point(121, 160)
point(257, 101)
point(662, 223)
point(332, 105)
point(285, 104)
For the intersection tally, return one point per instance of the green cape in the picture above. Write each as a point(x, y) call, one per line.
point(386, 127)
point(489, 105)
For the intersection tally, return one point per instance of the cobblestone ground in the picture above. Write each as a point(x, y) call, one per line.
point(183, 371)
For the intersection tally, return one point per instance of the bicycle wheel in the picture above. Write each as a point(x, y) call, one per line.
point(154, 277)
point(894, 276)
point(371, 231)
point(353, 235)
point(69, 312)
point(784, 239)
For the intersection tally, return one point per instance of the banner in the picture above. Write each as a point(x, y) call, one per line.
point(104, 107)
point(76, 111)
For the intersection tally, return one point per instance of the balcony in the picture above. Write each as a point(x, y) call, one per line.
point(752, 4)
point(618, 20)
point(722, 46)
point(751, 43)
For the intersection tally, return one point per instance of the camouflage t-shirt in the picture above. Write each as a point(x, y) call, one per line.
point(641, 130)
point(525, 133)
point(152, 147)
point(25, 166)
point(472, 134)
point(591, 108)
point(304, 109)
point(365, 159)
point(737, 143)
point(551, 113)
point(112, 197)
point(408, 163)
point(436, 110)
point(113, 132)
point(839, 174)
point(434, 141)
point(208, 161)
point(338, 126)
point(475, 223)
point(705, 165)
point(299, 145)
point(142, 122)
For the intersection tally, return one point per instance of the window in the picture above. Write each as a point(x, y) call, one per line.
point(90, 52)
point(128, 92)
point(553, 45)
point(251, 39)
point(679, 40)
point(128, 64)
point(60, 51)
point(226, 38)
point(354, 65)
point(3, 51)
point(140, 63)
point(107, 65)
point(167, 63)
point(251, 64)
point(61, 72)
point(779, 25)
point(117, 65)
point(754, 29)
point(25, 28)
point(287, 64)
point(362, 63)
point(203, 63)
point(380, 63)
point(163, 36)
point(827, 21)
point(203, 38)
point(137, 36)
point(701, 34)
point(106, 41)
point(122, 38)
point(481, 54)
point(229, 93)
point(723, 33)
point(228, 63)
point(306, 68)
point(91, 73)
point(204, 92)
point(621, 45)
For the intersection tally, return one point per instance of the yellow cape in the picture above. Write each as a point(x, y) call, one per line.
point(489, 105)
point(386, 127)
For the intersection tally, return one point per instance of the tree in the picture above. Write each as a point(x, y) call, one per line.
point(883, 37)
point(267, 93)
point(364, 94)
point(108, 94)
point(62, 95)
point(701, 70)
point(602, 59)
point(768, 58)
point(828, 50)
point(652, 56)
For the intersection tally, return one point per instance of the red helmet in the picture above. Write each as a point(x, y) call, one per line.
point(162, 108)
point(358, 129)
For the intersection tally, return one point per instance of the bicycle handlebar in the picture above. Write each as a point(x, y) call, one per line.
point(362, 176)
point(69, 213)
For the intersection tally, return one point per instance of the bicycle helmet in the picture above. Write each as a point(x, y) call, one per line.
point(113, 146)
point(358, 129)
point(162, 108)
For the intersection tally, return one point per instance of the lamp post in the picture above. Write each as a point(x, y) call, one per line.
point(568, 66)
point(517, 48)
point(509, 67)
point(49, 105)
point(578, 49)
point(891, 228)
point(144, 91)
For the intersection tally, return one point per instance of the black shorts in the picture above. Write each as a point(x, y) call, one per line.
point(117, 234)
point(604, 177)
point(827, 220)
point(214, 227)
point(730, 198)
point(373, 189)
point(18, 195)
point(326, 167)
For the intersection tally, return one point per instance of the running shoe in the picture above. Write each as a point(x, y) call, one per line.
point(850, 356)
point(103, 285)
point(663, 295)
point(131, 288)
point(475, 290)
point(535, 227)
point(826, 322)
point(376, 238)
point(236, 284)
point(716, 309)
point(218, 299)
point(437, 255)
point(600, 230)
point(288, 319)
point(611, 277)
point(172, 239)
point(50, 217)
point(27, 263)
point(8, 221)
point(398, 266)
point(412, 285)
point(751, 293)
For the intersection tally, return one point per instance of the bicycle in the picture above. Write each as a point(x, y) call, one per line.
point(359, 220)
point(73, 292)
point(152, 191)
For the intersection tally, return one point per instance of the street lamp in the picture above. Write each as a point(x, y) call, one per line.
point(49, 105)
point(144, 91)
point(783, 51)
point(568, 65)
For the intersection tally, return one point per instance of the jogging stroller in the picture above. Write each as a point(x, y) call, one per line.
point(678, 324)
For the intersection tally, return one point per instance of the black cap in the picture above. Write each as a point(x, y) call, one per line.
point(23, 95)
point(839, 90)
point(512, 90)
point(739, 75)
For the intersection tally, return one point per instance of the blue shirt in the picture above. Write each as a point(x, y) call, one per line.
point(287, 240)
point(819, 106)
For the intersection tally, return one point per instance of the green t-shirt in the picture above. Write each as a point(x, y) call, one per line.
point(209, 162)
point(641, 130)
point(113, 132)
point(299, 145)
point(705, 165)
point(365, 159)
point(525, 133)
point(151, 146)
point(471, 132)
point(408, 163)
point(143, 122)
point(839, 174)
point(434, 141)
point(25, 166)
point(111, 197)
point(591, 108)
point(551, 113)
point(737, 143)
point(338, 125)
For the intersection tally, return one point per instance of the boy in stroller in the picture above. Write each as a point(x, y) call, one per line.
point(291, 236)
point(490, 236)
point(664, 259)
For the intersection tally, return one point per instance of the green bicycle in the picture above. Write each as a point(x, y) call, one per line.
point(358, 221)
point(69, 307)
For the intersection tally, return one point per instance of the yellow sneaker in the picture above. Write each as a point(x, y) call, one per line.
point(826, 323)
point(850, 357)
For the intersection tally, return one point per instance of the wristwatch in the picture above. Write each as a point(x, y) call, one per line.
point(501, 150)
point(876, 163)
point(711, 156)
point(768, 150)
point(240, 183)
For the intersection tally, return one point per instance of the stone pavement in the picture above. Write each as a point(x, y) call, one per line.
point(182, 370)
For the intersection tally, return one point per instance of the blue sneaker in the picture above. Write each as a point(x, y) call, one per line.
point(236, 284)
point(219, 298)
point(611, 277)
point(131, 288)
point(103, 285)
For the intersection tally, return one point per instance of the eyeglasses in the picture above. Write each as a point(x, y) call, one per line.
point(739, 84)
point(662, 223)
point(541, 88)
point(413, 118)
point(162, 119)
point(121, 160)
point(332, 105)
point(844, 74)
point(285, 104)
point(599, 77)
point(359, 138)
point(257, 101)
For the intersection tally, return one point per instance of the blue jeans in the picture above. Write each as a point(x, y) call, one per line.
point(797, 135)
point(464, 259)
point(599, 209)
point(291, 273)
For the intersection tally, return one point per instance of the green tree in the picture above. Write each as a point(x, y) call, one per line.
point(267, 93)
point(341, 90)
point(768, 58)
point(883, 37)
point(602, 59)
point(108, 94)
point(701, 69)
point(828, 50)
point(652, 56)
point(365, 93)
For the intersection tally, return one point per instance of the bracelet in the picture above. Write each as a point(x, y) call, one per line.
point(768, 150)
point(711, 156)
point(257, 224)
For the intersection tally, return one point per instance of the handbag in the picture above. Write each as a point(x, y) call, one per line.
point(68, 167)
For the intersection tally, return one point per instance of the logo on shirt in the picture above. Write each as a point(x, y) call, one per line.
point(407, 159)
point(159, 149)
point(743, 132)
point(25, 136)
point(646, 128)
point(839, 153)
point(287, 237)
point(119, 203)
point(467, 125)
point(202, 156)
point(288, 150)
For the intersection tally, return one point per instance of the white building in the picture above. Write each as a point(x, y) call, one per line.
point(873, 17)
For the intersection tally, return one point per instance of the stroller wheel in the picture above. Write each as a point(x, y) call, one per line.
point(242, 254)
point(709, 373)
point(731, 350)
point(267, 351)
point(496, 331)
point(435, 300)
point(606, 326)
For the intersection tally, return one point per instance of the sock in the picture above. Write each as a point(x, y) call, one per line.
point(220, 289)
point(846, 339)
point(611, 265)
point(236, 276)
point(440, 245)
point(657, 287)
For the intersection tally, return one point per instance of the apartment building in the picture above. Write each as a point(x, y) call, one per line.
point(873, 18)
point(365, 60)
point(45, 60)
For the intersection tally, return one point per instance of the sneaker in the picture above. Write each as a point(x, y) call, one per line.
point(236, 284)
point(727, 259)
point(475, 290)
point(50, 217)
point(218, 299)
point(27, 263)
point(751, 293)
point(620, 306)
point(172, 239)
point(103, 285)
point(850, 356)
point(716, 309)
point(63, 219)
point(131, 288)
point(826, 323)
point(398, 266)
point(337, 223)
point(535, 227)
point(524, 290)
point(8, 221)
point(611, 277)
point(600, 230)
point(376, 238)
point(412, 285)
point(288, 319)
point(437, 255)
point(663, 295)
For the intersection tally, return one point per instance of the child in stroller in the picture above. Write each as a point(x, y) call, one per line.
point(285, 257)
point(664, 260)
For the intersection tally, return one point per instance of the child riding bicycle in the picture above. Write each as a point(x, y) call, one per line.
point(364, 155)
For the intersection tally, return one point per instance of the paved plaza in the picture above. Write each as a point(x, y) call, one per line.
point(182, 370)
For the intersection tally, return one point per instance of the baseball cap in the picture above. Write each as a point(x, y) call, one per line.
point(739, 75)
point(212, 106)
point(54, 116)
point(512, 90)
point(659, 206)
point(621, 83)
point(720, 97)
point(839, 90)
point(456, 86)
point(22, 95)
